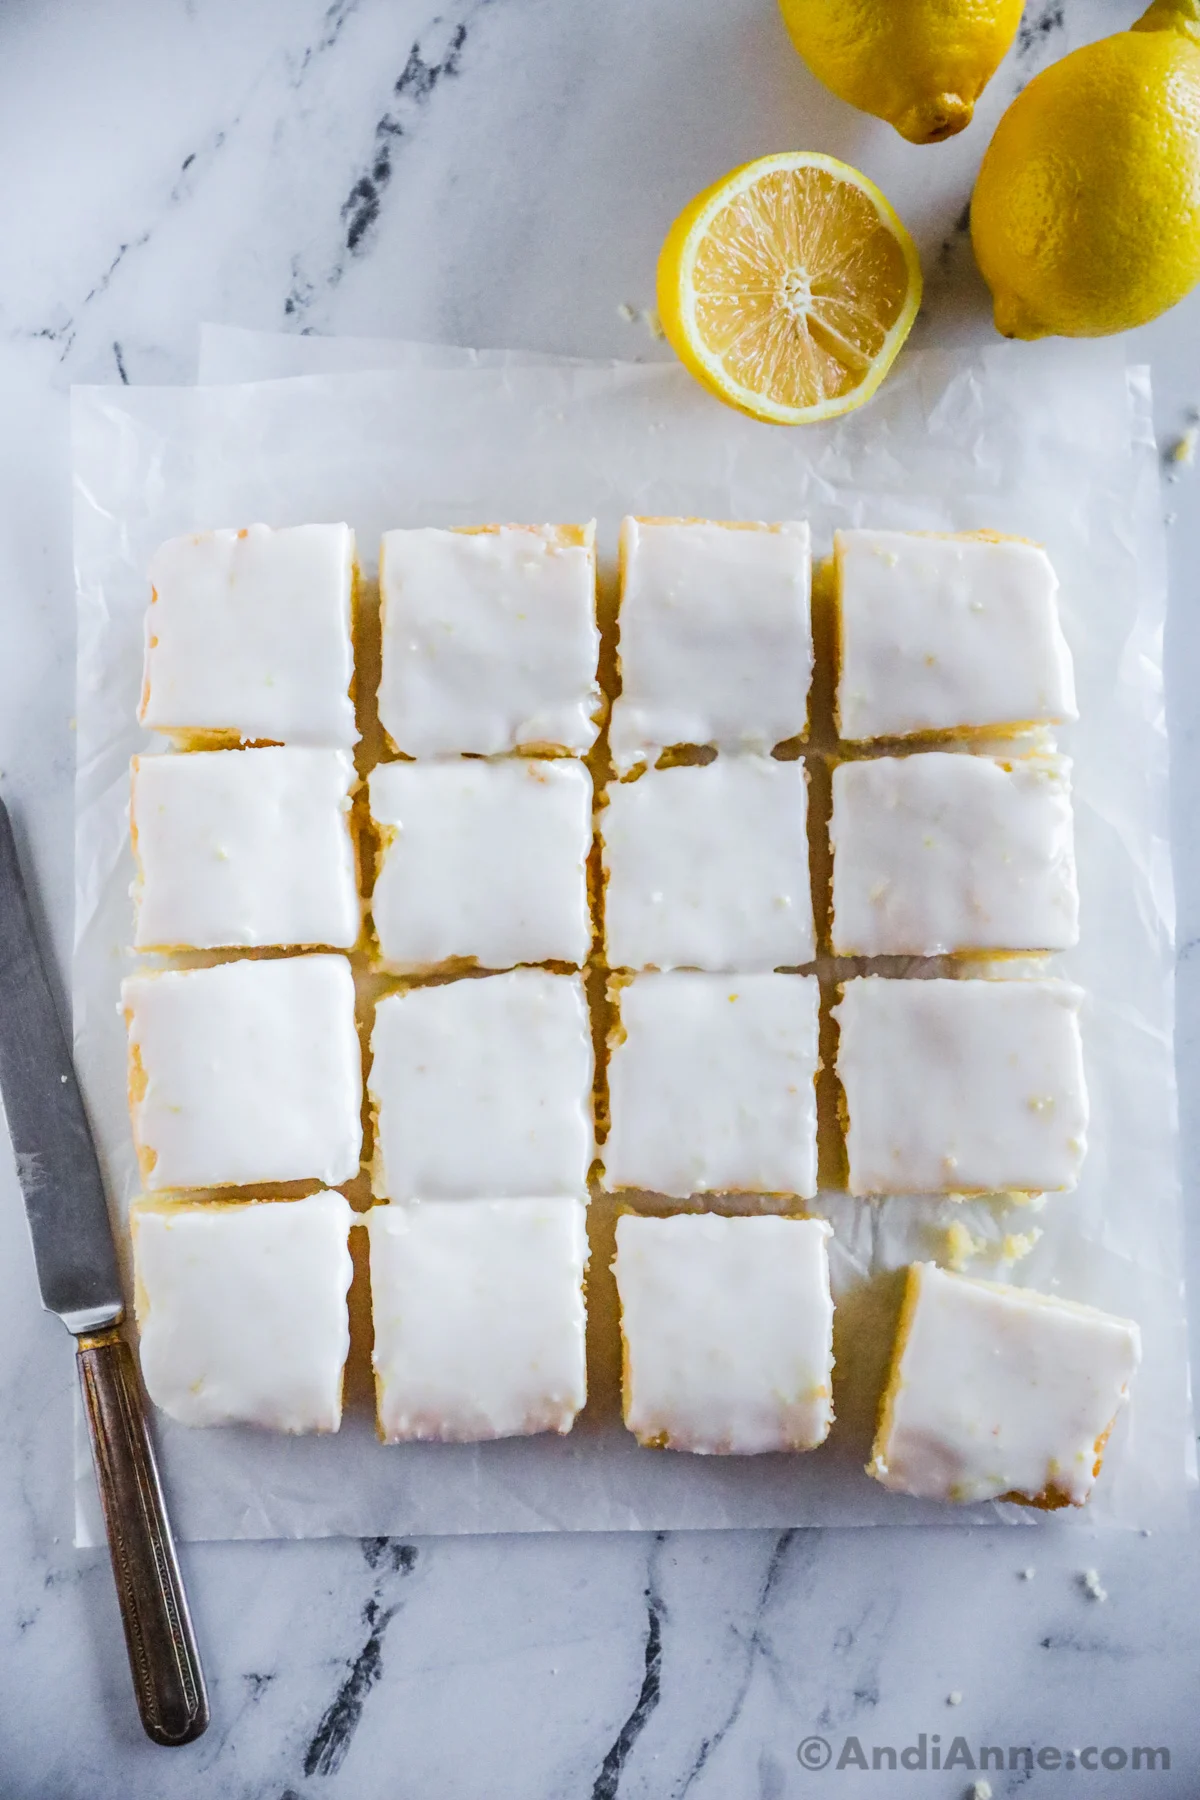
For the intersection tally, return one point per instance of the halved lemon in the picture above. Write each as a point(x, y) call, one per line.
point(788, 287)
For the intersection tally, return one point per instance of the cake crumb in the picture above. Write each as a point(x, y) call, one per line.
point(960, 1245)
point(627, 312)
point(954, 1698)
point(1018, 1244)
point(1028, 1574)
point(1090, 1581)
point(980, 1790)
point(651, 319)
point(1184, 450)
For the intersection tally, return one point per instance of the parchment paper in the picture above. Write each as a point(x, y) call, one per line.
point(1052, 442)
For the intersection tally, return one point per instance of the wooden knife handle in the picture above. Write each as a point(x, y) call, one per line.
point(167, 1676)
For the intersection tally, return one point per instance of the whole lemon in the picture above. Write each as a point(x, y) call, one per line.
point(1086, 215)
point(919, 64)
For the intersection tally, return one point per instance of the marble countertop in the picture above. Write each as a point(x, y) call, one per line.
point(500, 174)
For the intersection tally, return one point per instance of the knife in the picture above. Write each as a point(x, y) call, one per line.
point(77, 1272)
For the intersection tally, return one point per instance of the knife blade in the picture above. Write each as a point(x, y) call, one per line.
point(52, 1142)
point(76, 1260)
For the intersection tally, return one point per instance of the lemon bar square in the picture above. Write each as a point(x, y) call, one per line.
point(999, 1392)
point(727, 1332)
point(962, 1086)
point(943, 634)
point(715, 636)
point(241, 1309)
point(479, 1317)
point(244, 1073)
point(245, 849)
point(483, 1086)
point(710, 1083)
point(707, 867)
point(482, 860)
point(249, 636)
point(944, 852)
point(489, 639)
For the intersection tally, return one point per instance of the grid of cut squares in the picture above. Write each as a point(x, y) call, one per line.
point(244, 849)
point(706, 867)
point(244, 1073)
point(947, 852)
point(490, 641)
point(479, 1317)
point(947, 634)
point(711, 1085)
point(962, 1086)
point(241, 1309)
point(485, 861)
point(999, 1392)
point(249, 637)
point(715, 636)
point(727, 1332)
point(483, 1087)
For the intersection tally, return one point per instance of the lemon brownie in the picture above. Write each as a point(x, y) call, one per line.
point(999, 1392)
point(710, 1083)
point(482, 860)
point(962, 1086)
point(244, 848)
point(943, 852)
point(727, 1332)
point(942, 634)
point(241, 1309)
point(715, 636)
point(489, 639)
point(483, 1086)
point(244, 1073)
point(707, 867)
point(248, 637)
point(479, 1317)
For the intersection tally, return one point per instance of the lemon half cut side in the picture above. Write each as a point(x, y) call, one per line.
point(788, 287)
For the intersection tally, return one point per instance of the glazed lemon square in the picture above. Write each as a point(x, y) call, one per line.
point(241, 1309)
point(942, 852)
point(707, 867)
point(999, 1392)
point(710, 1082)
point(245, 849)
point(244, 1073)
point(482, 860)
point(727, 1332)
point(483, 1087)
point(479, 1317)
point(962, 1086)
point(489, 639)
point(715, 636)
point(943, 634)
point(249, 637)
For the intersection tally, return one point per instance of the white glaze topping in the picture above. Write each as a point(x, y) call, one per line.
point(1000, 1390)
point(716, 636)
point(708, 867)
point(483, 1086)
point(943, 852)
point(482, 859)
point(962, 1086)
point(710, 1083)
point(249, 633)
point(245, 847)
point(242, 1310)
point(246, 1072)
point(489, 639)
point(946, 633)
point(479, 1317)
point(728, 1331)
